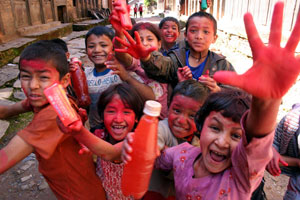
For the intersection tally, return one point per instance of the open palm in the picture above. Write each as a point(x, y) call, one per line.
point(274, 69)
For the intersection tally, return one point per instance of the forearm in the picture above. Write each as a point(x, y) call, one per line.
point(261, 119)
point(160, 68)
point(98, 146)
point(293, 162)
point(143, 89)
point(12, 110)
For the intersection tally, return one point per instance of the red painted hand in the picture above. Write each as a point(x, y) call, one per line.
point(135, 48)
point(274, 69)
point(116, 22)
point(273, 166)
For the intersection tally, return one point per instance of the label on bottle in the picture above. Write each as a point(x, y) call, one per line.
point(57, 97)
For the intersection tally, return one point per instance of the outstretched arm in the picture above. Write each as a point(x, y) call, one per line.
point(16, 150)
point(276, 66)
point(14, 109)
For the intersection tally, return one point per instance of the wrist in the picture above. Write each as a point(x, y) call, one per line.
point(145, 59)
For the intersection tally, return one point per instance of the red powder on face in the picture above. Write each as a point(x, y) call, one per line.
point(36, 64)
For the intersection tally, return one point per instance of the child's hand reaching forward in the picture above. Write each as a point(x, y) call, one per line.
point(274, 69)
point(135, 48)
point(273, 166)
point(184, 73)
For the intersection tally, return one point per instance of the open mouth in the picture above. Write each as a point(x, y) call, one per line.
point(217, 157)
point(34, 97)
point(118, 129)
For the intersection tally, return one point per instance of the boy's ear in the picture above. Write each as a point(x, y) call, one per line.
point(215, 38)
point(66, 80)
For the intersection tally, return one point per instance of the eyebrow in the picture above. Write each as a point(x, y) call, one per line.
point(221, 123)
point(39, 71)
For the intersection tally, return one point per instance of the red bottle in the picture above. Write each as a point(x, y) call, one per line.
point(79, 84)
point(137, 172)
point(125, 17)
point(57, 97)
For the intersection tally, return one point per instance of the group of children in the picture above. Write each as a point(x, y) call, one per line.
point(211, 134)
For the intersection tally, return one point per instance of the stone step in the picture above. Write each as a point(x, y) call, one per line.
point(88, 24)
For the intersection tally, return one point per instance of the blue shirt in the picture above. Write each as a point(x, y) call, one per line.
point(196, 71)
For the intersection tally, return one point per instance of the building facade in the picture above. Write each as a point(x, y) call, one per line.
point(17, 17)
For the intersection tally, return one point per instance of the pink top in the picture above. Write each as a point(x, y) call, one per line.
point(237, 182)
point(160, 89)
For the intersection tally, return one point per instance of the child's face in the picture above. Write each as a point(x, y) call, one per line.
point(169, 32)
point(219, 137)
point(98, 47)
point(118, 118)
point(200, 34)
point(35, 77)
point(181, 115)
point(148, 39)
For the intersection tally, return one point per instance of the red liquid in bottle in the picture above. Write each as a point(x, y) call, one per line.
point(137, 172)
point(79, 84)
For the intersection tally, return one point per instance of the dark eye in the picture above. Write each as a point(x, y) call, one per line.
point(24, 76)
point(236, 136)
point(90, 46)
point(214, 128)
point(44, 78)
point(110, 111)
point(177, 111)
point(206, 32)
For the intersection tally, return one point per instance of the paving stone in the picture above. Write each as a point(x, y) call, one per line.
point(25, 178)
point(17, 84)
point(8, 72)
point(43, 185)
point(16, 60)
point(19, 95)
point(6, 102)
point(5, 93)
point(3, 127)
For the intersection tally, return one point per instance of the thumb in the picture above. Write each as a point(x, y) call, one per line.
point(228, 78)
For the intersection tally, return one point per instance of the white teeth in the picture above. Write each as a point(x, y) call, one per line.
point(219, 154)
point(118, 127)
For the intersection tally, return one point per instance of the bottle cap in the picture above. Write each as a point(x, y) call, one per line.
point(152, 108)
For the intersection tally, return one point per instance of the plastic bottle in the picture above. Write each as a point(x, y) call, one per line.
point(203, 5)
point(137, 172)
point(79, 84)
point(57, 97)
point(125, 17)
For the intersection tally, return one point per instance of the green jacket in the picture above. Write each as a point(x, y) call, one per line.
point(164, 68)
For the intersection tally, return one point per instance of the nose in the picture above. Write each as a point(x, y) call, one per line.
point(119, 117)
point(98, 48)
point(199, 35)
point(34, 83)
point(223, 141)
point(182, 119)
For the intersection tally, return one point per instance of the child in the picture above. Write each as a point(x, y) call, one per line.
point(120, 107)
point(170, 30)
point(229, 163)
point(186, 99)
point(201, 32)
point(135, 10)
point(98, 43)
point(69, 175)
point(141, 10)
point(151, 38)
point(286, 148)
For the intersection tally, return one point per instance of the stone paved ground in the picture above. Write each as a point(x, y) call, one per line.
point(24, 182)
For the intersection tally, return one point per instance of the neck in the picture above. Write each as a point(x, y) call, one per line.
point(198, 56)
point(199, 168)
point(100, 68)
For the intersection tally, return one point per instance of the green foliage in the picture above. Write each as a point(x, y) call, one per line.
point(150, 2)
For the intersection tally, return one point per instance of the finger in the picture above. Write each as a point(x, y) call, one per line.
point(283, 162)
point(229, 78)
point(293, 41)
point(128, 36)
point(151, 49)
point(128, 8)
point(276, 25)
point(253, 37)
point(121, 50)
point(76, 126)
point(122, 41)
point(137, 37)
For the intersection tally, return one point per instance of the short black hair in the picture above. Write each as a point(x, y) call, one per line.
point(230, 102)
point(166, 19)
point(202, 14)
point(191, 88)
point(98, 31)
point(128, 94)
point(148, 26)
point(47, 51)
point(62, 43)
